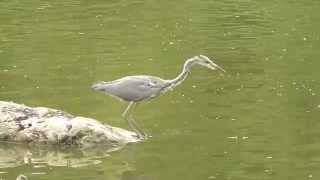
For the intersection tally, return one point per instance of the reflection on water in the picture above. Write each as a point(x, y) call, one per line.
point(43, 161)
point(15, 155)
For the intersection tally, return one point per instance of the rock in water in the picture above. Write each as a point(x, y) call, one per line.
point(20, 123)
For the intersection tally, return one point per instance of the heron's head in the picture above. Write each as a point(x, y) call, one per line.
point(205, 61)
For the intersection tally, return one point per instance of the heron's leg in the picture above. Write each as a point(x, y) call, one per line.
point(138, 129)
point(127, 115)
point(133, 126)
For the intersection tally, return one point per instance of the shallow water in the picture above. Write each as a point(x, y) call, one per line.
point(260, 120)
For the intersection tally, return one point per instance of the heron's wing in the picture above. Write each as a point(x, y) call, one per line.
point(132, 88)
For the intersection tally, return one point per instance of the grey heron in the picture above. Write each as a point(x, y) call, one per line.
point(137, 88)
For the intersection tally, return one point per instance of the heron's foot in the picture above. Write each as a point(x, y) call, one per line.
point(141, 136)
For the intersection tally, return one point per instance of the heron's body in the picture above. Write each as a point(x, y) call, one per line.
point(134, 88)
point(142, 87)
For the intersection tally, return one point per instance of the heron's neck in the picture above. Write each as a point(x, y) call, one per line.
point(182, 76)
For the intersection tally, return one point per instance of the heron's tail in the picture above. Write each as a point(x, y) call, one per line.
point(98, 86)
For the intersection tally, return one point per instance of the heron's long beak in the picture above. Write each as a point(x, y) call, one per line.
point(214, 66)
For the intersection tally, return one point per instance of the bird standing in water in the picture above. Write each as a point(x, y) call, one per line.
point(137, 88)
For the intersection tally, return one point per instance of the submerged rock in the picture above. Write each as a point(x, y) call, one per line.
point(20, 123)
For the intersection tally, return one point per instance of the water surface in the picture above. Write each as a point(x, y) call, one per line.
point(257, 121)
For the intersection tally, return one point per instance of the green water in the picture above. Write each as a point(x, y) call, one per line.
point(260, 120)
